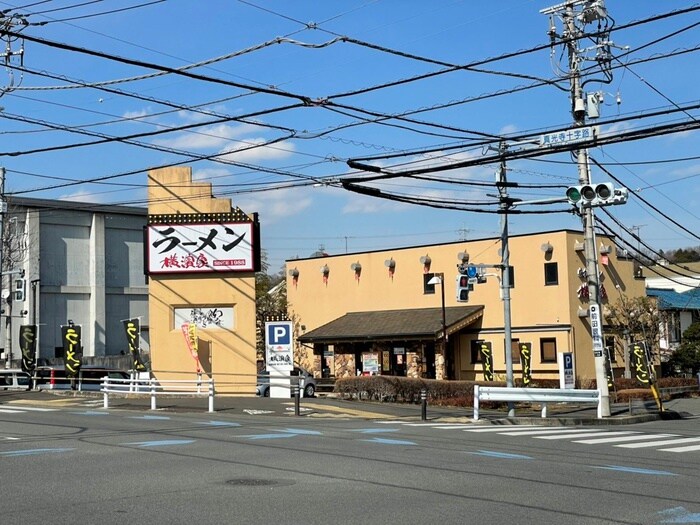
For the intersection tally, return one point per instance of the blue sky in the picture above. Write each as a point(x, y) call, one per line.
point(303, 207)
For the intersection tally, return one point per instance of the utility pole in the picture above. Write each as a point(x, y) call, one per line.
point(505, 203)
point(3, 211)
point(590, 11)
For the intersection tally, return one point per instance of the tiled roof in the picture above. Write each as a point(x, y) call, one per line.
point(672, 300)
point(413, 324)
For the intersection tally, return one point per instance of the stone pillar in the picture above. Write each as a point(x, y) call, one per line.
point(439, 365)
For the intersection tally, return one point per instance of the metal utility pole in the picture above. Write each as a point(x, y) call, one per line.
point(439, 278)
point(590, 11)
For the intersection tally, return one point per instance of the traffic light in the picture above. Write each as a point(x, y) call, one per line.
point(463, 288)
point(602, 194)
point(20, 288)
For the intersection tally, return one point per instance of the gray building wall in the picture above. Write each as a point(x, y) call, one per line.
point(88, 260)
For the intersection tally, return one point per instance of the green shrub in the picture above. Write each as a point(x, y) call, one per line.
point(461, 393)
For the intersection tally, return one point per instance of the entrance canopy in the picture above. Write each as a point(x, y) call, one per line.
point(420, 324)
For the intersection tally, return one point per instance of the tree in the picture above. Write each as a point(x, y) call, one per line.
point(638, 318)
point(686, 358)
point(14, 252)
point(270, 301)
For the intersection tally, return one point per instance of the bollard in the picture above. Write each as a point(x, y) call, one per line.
point(211, 396)
point(295, 389)
point(153, 394)
point(423, 404)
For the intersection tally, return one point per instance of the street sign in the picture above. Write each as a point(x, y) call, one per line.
point(278, 345)
point(596, 329)
point(563, 138)
point(567, 376)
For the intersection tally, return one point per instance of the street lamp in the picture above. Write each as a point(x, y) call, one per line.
point(439, 278)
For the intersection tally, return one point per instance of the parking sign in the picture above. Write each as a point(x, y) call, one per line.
point(278, 345)
point(567, 371)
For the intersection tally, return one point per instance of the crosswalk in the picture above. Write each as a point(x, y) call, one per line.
point(18, 409)
point(48, 405)
point(630, 439)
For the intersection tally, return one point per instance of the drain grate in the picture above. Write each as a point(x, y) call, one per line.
point(258, 482)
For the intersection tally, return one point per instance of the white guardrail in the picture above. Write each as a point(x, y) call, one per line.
point(155, 388)
point(535, 395)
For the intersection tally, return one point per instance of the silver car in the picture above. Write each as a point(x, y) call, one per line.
point(307, 383)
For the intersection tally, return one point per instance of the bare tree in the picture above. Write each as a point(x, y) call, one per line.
point(14, 252)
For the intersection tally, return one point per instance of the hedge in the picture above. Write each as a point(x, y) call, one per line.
point(461, 393)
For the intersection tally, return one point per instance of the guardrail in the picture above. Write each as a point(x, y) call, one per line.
point(155, 388)
point(535, 395)
point(673, 390)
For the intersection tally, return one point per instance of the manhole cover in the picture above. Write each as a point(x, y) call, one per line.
point(256, 482)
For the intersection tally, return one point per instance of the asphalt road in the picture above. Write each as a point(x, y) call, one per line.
point(73, 462)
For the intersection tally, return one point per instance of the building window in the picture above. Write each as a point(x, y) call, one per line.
point(551, 274)
point(548, 350)
point(610, 347)
point(476, 355)
point(428, 288)
point(515, 351)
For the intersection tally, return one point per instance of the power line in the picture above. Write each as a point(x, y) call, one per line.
point(138, 6)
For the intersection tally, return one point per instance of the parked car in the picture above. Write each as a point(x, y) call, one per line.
point(89, 377)
point(307, 383)
point(14, 379)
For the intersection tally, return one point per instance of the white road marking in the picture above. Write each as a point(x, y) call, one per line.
point(620, 439)
point(657, 443)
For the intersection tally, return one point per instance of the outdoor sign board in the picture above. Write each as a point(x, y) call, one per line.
point(567, 371)
point(569, 136)
point(279, 357)
point(200, 247)
point(596, 330)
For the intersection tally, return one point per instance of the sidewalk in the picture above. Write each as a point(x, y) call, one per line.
point(331, 407)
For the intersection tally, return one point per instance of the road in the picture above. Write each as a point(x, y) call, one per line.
point(79, 463)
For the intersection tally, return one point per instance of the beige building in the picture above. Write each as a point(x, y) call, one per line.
point(376, 312)
point(201, 257)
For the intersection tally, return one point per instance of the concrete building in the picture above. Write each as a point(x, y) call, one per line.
point(677, 290)
point(202, 254)
point(81, 262)
point(376, 312)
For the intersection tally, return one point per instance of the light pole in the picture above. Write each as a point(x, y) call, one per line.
point(439, 278)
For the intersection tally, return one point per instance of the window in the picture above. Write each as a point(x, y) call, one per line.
point(548, 350)
point(515, 351)
point(479, 350)
point(476, 354)
point(610, 347)
point(428, 288)
point(551, 274)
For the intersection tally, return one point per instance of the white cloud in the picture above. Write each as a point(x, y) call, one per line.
point(275, 206)
point(618, 127)
point(202, 114)
point(508, 129)
point(207, 137)
point(253, 154)
point(84, 196)
point(138, 114)
point(365, 204)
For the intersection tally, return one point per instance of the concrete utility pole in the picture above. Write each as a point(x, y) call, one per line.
point(590, 11)
point(505, 204)
point(3, 211)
